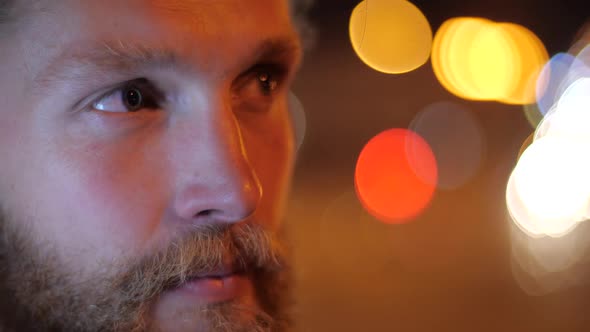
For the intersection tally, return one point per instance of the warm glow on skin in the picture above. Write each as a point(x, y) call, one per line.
point(99, 186)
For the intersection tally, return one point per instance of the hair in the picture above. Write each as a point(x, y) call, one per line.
point(5, 7)
point(10, 12)
point(300, 12)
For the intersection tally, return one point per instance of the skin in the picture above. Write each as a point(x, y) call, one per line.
point(90, 190)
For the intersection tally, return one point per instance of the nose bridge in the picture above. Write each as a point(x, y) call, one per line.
point(229, 154)
point(217, 181)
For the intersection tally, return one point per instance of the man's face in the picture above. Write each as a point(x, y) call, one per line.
point(146, 153)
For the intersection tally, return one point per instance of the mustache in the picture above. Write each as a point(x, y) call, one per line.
point(245, 247)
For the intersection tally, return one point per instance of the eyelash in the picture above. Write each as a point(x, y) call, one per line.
point(269, 76)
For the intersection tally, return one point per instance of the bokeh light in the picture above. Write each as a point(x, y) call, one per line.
point(532, 277)
point(393, 185)
point(390, 36)
point(529, 56)
point(548, 264)
point(581, 65)
point(548, 191)
point(490, 62)
point(298, 119)
point(446, 55)
point(527, 142)
point(478, 59)
point(570, 116)
point(456, 140)
point(551, 79)
point(533, 114)
point(584, 56)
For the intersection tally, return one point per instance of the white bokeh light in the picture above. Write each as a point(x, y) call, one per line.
point(298, 118)
point(549, 190)
point(570, 116)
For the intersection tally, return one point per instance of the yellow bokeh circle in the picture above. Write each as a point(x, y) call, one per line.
point(478, 59)
point(390, 36)
point(533, 56)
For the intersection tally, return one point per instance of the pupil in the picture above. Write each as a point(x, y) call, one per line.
point(267, 83)
point(133, 99)
point(263, 77)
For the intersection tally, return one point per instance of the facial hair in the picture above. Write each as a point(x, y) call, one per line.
point(41, 293)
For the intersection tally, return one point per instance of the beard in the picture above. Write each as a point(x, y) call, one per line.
point(40, 292)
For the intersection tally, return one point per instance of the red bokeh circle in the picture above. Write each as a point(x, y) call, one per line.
point(395, 176)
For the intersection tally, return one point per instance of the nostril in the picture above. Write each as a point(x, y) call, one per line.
point(229, 200)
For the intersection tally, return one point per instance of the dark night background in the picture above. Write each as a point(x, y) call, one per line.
point(451, 269)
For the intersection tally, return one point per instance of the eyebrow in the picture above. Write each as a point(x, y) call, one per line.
point(107, 57)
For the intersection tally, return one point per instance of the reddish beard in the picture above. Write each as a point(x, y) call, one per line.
point(41, 294)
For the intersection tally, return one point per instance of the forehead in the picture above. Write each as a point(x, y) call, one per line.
point(209, 30)
point(209, 16)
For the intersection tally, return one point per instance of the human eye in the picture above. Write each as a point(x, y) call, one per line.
point(132, 96)
point(259, 85)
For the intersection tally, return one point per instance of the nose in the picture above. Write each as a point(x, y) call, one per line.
point(216, 181)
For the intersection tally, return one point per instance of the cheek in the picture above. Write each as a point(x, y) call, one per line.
point(270, 148)
point(106, 198)
point(120, 190)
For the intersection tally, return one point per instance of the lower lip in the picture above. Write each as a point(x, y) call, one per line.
point(214, 290)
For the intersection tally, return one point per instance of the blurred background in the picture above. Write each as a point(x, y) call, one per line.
point(460, 263)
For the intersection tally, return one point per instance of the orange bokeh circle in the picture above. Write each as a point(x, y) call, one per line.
point(395, 176)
